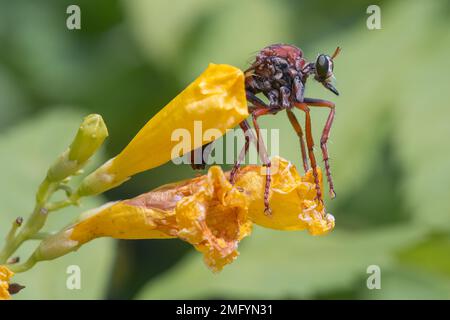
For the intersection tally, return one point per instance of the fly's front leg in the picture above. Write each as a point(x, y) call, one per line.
point(261, 109)
point(325, 135)
point(310, 145)
point(299, 90)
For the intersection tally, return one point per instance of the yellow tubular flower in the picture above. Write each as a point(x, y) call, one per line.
point(206, 211)
point(5, 276)
point(216, 98)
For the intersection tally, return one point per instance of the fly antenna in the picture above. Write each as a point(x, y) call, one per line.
point(336, 53)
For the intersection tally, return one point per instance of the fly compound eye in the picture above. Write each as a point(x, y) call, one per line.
point(323, 66)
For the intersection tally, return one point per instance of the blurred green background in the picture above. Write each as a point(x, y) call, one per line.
point(389, 145)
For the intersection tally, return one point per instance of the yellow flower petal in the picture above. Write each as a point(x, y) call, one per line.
point(214, 219)
point(125, 220)
point(292, 199)
point(216, 98)
point(5, 276)
point(207, 211)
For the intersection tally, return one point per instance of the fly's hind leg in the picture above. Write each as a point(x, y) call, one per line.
point(325, 135)
point(310, 145)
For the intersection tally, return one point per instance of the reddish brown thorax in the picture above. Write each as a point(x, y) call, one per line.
point(291, 53)
point(277, 73)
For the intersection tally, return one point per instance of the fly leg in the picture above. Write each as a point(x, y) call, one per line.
point(260, 147)
point(247, 133)
point(203, 153)
point(325, 135)
point(298, 129)
point(310, 145)
point(261, 109)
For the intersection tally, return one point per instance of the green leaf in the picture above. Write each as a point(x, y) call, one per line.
point(28, 150)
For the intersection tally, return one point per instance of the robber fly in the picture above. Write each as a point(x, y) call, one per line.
point(280, 73)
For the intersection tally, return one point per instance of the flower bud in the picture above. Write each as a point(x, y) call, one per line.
point(89, 138)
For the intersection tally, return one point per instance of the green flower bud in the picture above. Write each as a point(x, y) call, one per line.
point(89, 138)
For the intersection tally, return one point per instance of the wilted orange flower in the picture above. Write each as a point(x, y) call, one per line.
point(206, 211)
point(5, 276)
point(216, 98)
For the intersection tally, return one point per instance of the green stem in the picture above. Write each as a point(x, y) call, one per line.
point(41, 235)
point(34, 223)
point(54, 206)
point(12, 232)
